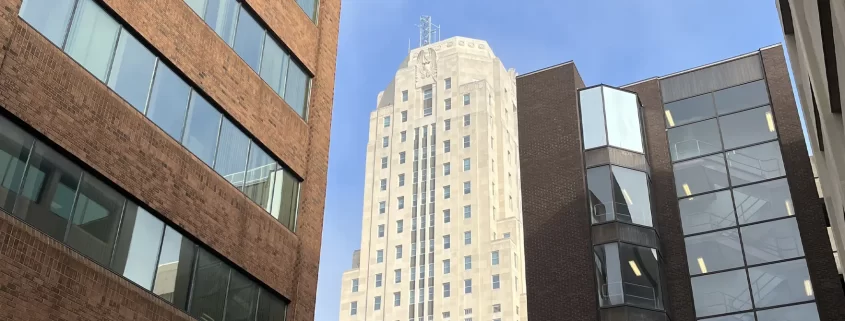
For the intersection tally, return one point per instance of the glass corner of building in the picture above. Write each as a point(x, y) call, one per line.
point(628, 275)
point(629, 280)
point(611, 120)
point(610, 117)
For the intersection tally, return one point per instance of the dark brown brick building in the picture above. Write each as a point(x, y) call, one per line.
point(684, 197)
point(163, 160)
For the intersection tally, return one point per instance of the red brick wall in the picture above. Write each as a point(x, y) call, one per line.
point(42, 279)
point(50, 92)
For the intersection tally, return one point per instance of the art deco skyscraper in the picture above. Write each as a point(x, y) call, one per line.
point(442, 225)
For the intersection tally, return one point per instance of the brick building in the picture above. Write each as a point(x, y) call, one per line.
point(684, 197)
point(163, 160)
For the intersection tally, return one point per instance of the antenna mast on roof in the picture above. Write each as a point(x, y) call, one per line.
point(429, 33)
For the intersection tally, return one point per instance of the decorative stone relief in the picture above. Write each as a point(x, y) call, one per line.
point(426, 67)
point(461, 43)
point(480, 46)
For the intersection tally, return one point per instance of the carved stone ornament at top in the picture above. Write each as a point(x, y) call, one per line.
point(426, 64)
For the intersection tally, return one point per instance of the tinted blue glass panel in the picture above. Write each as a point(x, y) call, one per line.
point(168, 101)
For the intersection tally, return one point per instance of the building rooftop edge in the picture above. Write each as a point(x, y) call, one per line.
point(669, 75)
point(545, 69)
point(639, 82)
point(720, 61)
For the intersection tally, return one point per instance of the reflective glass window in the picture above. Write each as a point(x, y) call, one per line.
point(242, 297)
point(771, 241)
point(221, 15)
point(92, 37)
point(628, 274)
point(700, 175)
point(49, 17)
point(249, 38)
point(748, 127)
point(720, 293)
point(592, 118)
point(232, 152)
point(623, 119)
point(15, 146)
point(641, 277)
point(198, 6)
point(95, 220)
point(694, 140)
point(260, 173)
point(763, 201)
point(601, 195)
point(755, 163)
point(689, 110)
point(631, 196)
point(175, 267)
point(132, 71)
point(310, 8)
point(712, 252)
point(733, 317)
point(201, 129)
point(49, 188)
point(168, 101)
point(707, 212)
point(803, 312)
point(274, 65)
point(138, 246)
point(781, 283)
point(285, 198)
point(296, 88)
point(270, 307)
point(208, 297)
point(741, 97)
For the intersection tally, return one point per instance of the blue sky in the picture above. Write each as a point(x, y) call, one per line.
point(611, 42)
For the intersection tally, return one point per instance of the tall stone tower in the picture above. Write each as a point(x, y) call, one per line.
point(442, 220)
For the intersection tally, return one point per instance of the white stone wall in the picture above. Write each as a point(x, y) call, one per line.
point(806, 57)
point(494, 197)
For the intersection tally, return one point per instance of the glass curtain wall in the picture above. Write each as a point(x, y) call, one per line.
point(743, 247)
point(112, 54)
point(51, 193)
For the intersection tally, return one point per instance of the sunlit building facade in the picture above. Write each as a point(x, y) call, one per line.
point(813, 37)
point(683, 197)
point(442, 226)
point(152, 168)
